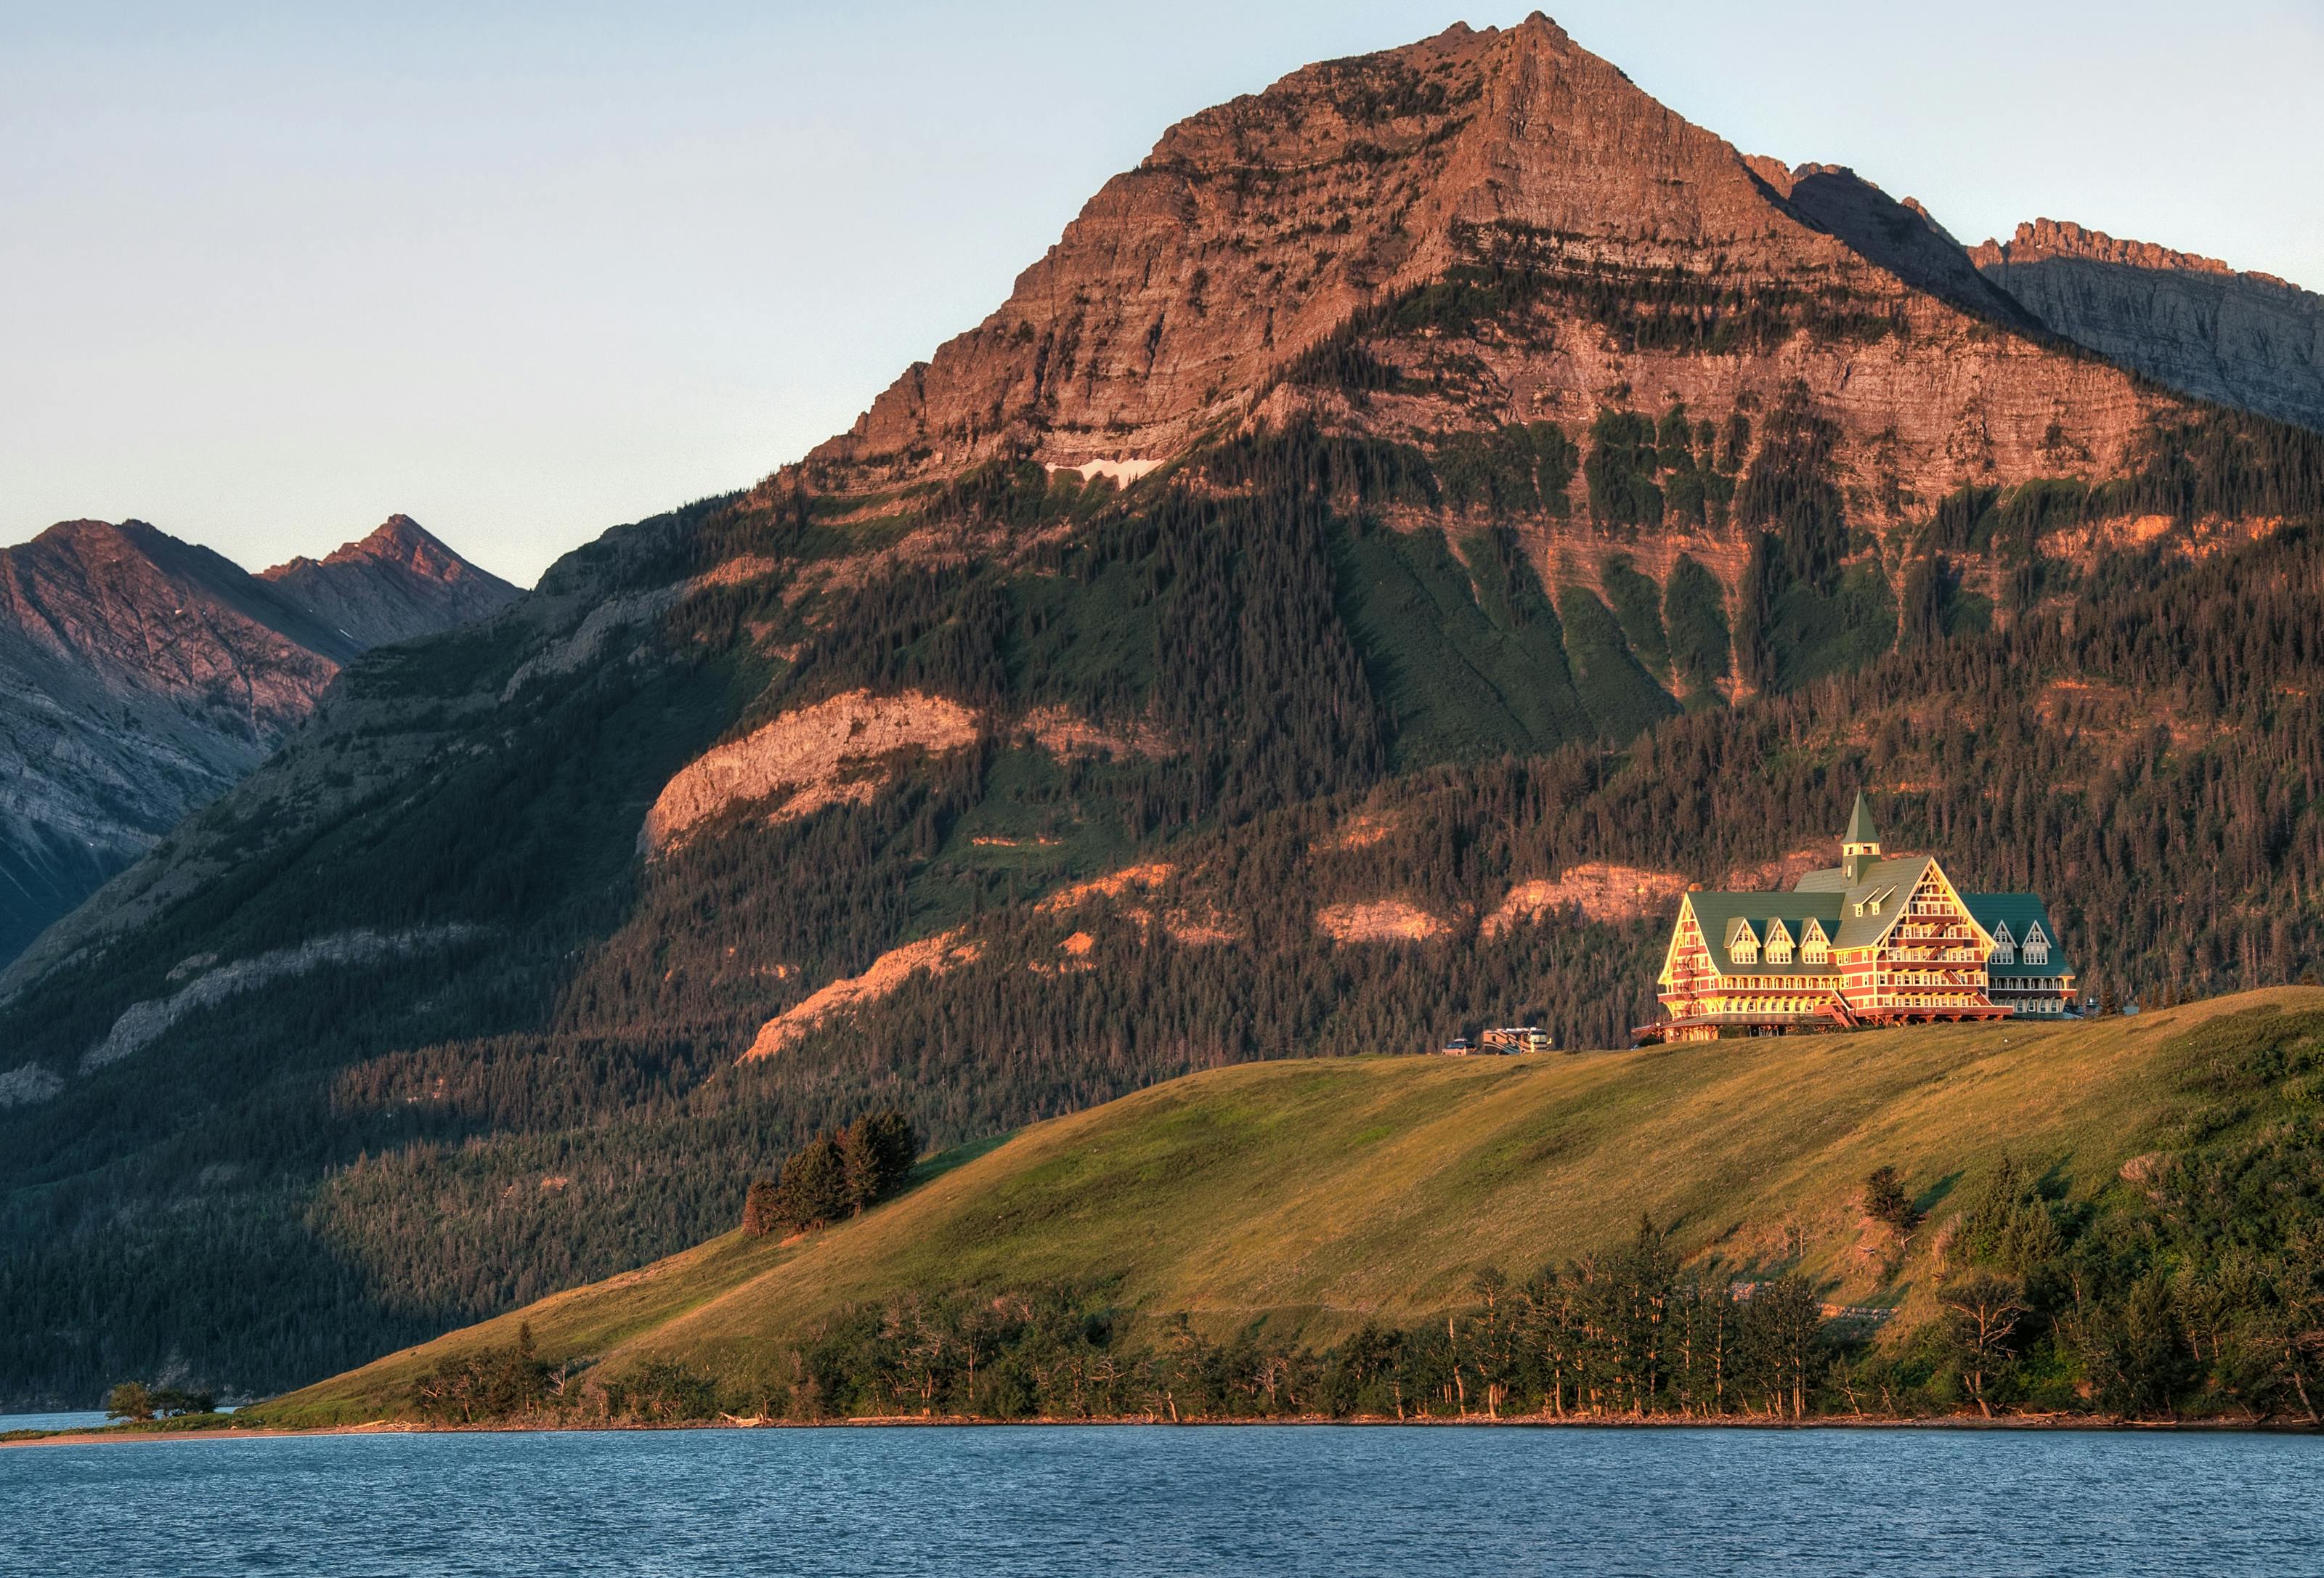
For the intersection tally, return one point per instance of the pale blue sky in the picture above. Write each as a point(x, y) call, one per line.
point(271, 271)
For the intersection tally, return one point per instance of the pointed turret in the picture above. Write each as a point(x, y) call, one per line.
point(1860, 846)
point(1860, 831)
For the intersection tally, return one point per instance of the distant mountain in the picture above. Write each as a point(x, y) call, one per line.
point(1405, 530)
point(2246, 339)
point(141, 677)
point(395, 584)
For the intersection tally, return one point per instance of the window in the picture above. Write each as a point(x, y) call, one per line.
point(1815, 948)
point(2004, 946)
point(1745, 944)
point(2037, 946)
point(1779, 943)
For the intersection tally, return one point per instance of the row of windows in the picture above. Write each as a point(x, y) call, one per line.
point(2007, 950)
point(1743, 947)
point(1814, 947)
point(1757, 1005)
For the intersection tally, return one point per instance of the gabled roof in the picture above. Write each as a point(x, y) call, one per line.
point(1891, 882)
point(2020, 911)
point(1902, 869)
point(1828, 899)
point(1722, 915)
point(1859, 823)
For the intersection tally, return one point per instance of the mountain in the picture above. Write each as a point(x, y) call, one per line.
point(1317, 1205)
point(141, 676)
point(1617, 255)
point(2193, 323)
point(395, 584)
point(1406, 531)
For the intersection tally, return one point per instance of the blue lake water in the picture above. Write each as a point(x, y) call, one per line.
point(1344, 1502)
point(84, 1420)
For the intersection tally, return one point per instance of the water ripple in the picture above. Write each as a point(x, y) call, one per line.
point(1349, 1503)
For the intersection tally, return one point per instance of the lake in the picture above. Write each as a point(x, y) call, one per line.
point(1347, 1502)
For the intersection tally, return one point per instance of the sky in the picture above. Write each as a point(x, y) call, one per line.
point(270, 272)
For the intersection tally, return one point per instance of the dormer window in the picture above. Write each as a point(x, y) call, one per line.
point(2004, 946)
point(1779, 943)
point(1815, 948)
point(1745, 944)
point(2037, 944)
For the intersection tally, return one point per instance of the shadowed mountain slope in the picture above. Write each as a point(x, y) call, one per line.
point(2190, 322)
point(141, 676)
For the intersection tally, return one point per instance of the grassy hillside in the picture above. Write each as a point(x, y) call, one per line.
point(1315, 1196)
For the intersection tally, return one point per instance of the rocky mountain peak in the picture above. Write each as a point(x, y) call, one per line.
point(142, 674)
point(399, 580)
point(1255, 228)
point(1181, 302)
point(399, 542)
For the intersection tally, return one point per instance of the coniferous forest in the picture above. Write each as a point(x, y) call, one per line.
point(542, 1089)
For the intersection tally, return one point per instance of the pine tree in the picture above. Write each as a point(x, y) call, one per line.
point(761, 1211)
point(1886, 1200)
point(814, 1188)
point(859, 1166)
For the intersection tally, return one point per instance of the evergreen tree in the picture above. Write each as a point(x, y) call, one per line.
point(814, 1186)
point(1886, 1200)
point(761, 1208)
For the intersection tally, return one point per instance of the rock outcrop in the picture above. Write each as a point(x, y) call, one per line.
point(141, 676)
point(835, 750)
point(890, 970)
point(2190, 322)
point(1183, 297)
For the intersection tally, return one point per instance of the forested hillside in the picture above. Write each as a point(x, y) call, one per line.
point(2116, 1218)
point(1519, 583)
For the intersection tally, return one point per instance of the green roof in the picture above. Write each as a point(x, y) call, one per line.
point(1720, 915)
point(2021, 912)
point(1830, 898)
point(1859, 823)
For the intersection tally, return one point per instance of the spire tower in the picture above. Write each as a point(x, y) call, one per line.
point(1860, 846)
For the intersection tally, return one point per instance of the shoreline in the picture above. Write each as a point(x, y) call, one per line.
point(2016, 1424)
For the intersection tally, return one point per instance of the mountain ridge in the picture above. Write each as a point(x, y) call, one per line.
point(140, 675)
point(1469, 133)
point(2194, 323)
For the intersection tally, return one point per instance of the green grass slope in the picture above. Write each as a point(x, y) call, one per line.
point(1314, 1195)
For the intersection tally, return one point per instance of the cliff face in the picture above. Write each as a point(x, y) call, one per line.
point(2190, 322)
point(141, 676)
point(1256, 231)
